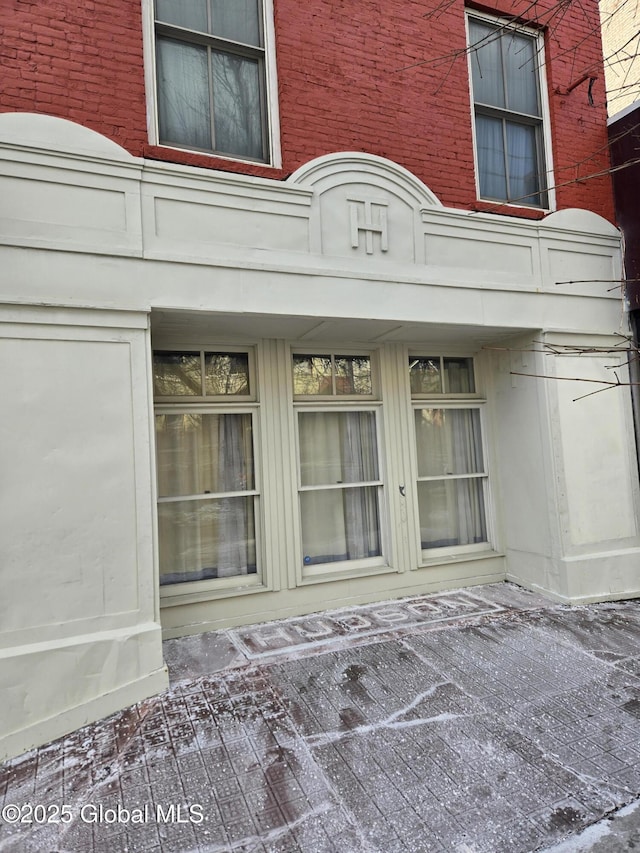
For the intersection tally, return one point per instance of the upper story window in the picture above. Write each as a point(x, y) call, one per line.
point(211, 77)
point(508, 112)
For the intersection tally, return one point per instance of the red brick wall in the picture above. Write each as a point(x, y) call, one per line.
point(345, 83)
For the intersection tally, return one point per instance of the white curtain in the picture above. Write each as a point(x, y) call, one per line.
point(451, 510)
point(486, 64)
point(524, 180)
point(200, 454)
point(521, 74)
point(467, 453)
point(236, 536)
point(338, 448)
point(183, 94)
point(491, 162)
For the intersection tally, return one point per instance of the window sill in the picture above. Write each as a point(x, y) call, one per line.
point(504, 209)
point(331, 576)
point(443, 557)
point(172, 596)
point(183, 157)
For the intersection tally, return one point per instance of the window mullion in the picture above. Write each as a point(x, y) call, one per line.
point(209, 16)
point(506, 158)
point(212, 118)
point(503, 65)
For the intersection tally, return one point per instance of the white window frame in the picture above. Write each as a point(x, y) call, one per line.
point(546, 156)
point(272, 117)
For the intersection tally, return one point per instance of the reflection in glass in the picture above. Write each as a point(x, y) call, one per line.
point(486, 64)
point(312, 375)
point(424, 375)
point(237, 20)
point(353, 374)
point(315, 375)
point(236, 105)
point(190, 14)
point(176, 374)
point(521, 73)
point(226, 373)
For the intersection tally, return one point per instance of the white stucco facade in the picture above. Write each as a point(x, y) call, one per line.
point(105, 257)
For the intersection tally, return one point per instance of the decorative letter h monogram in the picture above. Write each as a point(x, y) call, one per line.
point(367, 224)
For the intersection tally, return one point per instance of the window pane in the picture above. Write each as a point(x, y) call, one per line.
point(424, 375)
point(176, 374)
point(523, 163)
point(522, 74)
point(337, 447)
point(312, 375)
point(201, 453)
point(206, 539)
point(486, 64)
point(184, 116)
point(190, 14)
point(226, 373)
point(491, 162)
point(237, 112)
point(451, 513)
point(340, 524)
point(458, 376)
point(237, 20)
point(353, 374)
point(448, 441)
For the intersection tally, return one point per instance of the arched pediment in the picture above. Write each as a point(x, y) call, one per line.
point(582, 221)
point(365, 205)
point(35, 130)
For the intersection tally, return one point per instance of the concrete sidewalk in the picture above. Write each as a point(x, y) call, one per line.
point(486, 719)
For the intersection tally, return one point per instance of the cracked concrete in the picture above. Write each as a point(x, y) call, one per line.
point(478, 721)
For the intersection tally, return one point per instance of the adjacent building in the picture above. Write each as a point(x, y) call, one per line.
point(295, 306)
